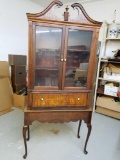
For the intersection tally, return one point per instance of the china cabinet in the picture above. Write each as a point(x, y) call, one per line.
point(61, 65)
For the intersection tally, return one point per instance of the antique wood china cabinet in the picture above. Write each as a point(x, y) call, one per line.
point(61, 65)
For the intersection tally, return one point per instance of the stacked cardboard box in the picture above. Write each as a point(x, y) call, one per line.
point(6, 93)
point(18, 78)
point(112, 72)
point(108, 106)
point(18, 71)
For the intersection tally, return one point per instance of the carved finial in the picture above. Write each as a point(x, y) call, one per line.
point(66, 14)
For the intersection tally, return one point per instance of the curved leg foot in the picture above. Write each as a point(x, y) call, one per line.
point(85, 152)
point(25, 128)
point(28, 133)
point(88, 134)
point(24, 156)
point(79, 128)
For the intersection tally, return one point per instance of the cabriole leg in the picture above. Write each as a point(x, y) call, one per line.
point(25, 128)
point(78, 135)
point(88, 134)
point(28, 133)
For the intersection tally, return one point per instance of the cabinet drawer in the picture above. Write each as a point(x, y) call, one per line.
point(40, 100)
point(57, 100)
point(76, 99)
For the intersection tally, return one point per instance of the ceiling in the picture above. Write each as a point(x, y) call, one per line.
point(45, 3)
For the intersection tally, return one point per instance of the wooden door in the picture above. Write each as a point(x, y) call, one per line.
point(45, 58)
point(79, 58)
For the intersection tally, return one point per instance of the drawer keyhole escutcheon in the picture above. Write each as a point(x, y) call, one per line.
point(78, 99)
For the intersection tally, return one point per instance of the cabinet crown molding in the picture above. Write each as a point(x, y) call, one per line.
point(50, 13)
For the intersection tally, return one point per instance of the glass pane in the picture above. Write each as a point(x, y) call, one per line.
point(48, 49)
point(78, 52)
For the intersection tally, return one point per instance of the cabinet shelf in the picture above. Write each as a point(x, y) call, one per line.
point(77, 50)
point(109, 61)
point(109, 80)
point(113, 39)
point(40, 68)
point(45, 68)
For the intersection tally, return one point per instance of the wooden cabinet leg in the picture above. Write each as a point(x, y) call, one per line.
point(88, 134)
point(78, 135)
point(28, 133)
point(25, 128)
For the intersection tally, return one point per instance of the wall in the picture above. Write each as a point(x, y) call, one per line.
point(99, 10)
point(14, 26)
point(104, 10)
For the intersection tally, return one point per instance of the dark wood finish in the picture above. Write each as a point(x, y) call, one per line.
point(48, 14)
point(83, 16)
point(57, 99)
point(25, 128)
point(78, 134)
point(61, 103)
point(88, 135)
point(55, 116)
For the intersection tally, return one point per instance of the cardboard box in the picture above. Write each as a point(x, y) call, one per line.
point(19, 101)
point(110, 90)
point(84, 66)
point(6, 95)
point(18, 74)
point(80, 73)
point(107, 106)
point(18, 87)
point(17, 59)
point(108, 112)
point(112, 72)
point(4, 69)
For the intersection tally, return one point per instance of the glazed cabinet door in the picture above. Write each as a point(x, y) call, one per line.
point(46, 55)
point(78, 57)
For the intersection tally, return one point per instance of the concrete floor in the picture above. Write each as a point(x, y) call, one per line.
point(59, 141)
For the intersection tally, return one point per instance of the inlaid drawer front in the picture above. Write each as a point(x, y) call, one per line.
point(40, 100)
point(57, 100)
point(75, 99)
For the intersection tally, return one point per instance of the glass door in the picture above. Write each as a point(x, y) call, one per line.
point(48, 52)
point(77, 57)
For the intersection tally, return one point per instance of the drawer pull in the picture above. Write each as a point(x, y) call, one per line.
point(42, 99)
point(78, 99)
